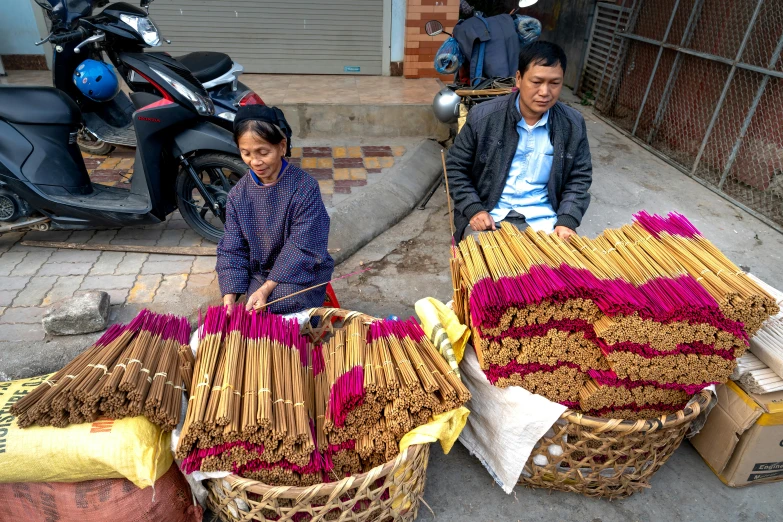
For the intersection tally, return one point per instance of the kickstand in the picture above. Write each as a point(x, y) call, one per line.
point(431, 193)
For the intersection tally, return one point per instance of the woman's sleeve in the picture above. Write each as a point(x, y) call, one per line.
point(306, 245)
point(233, 255)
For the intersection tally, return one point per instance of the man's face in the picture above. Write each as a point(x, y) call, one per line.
point(539, 88)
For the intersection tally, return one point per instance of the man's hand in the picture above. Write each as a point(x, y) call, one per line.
point(260, 296)
point(564, 232)
point(482, 221)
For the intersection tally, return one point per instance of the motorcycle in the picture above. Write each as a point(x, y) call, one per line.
point(122, 28)
point(182, 160)
point(471, 87)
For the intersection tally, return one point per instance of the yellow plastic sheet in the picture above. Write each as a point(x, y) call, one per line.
point(445, 428)
point(131, 448)
point(441, 325)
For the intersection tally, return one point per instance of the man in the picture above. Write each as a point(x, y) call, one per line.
point(523, 158)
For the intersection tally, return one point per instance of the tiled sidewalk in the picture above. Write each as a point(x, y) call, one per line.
point(339, 170)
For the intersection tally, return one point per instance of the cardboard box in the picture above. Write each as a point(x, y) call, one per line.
point(742, 441)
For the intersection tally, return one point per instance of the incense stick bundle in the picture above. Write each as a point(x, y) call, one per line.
point(113, 378)
point(652, 304)
point(300, 413)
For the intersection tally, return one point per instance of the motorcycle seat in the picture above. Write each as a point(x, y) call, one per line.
point(206, 65)
point(37, 105)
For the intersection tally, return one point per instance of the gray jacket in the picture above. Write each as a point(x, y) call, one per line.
point(479, 161)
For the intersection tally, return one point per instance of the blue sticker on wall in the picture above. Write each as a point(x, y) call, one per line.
point(352, 68)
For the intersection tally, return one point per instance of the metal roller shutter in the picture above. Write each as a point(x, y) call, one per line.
point(285, 36)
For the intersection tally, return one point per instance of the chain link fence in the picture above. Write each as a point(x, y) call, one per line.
point(701, 82)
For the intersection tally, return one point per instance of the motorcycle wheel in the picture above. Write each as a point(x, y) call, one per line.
point(92, 145)
point(219, 173)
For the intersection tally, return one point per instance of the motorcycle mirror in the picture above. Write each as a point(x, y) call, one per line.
point(433, 28)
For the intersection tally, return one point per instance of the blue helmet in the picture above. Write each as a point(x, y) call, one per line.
point(96, 80)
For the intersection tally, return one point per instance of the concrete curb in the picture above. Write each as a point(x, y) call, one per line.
point(365, 215)
point(367, 121)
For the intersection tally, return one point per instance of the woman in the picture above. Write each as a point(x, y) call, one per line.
point(277, 227)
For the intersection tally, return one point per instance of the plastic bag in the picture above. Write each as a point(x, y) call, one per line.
point(100, 500)
point(131, 448)
point(449, 57)
point(528, 28)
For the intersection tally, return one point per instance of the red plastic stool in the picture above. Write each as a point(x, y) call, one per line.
point(331, 299)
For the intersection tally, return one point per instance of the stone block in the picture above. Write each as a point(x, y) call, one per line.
point(84, 313)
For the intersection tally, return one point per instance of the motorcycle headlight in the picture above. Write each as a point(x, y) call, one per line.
point(145, 27)
point(203, 104)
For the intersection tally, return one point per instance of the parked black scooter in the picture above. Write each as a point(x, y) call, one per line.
point(123, 28)
point(182, 161)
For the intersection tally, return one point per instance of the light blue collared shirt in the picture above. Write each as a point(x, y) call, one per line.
point(526, 184)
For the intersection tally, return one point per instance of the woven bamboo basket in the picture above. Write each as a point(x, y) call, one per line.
point(392, 491)
point(609, 458)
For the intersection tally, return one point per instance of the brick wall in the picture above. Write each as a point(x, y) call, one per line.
point(419, 47)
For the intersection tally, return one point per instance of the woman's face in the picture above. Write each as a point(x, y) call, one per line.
point(263, 157)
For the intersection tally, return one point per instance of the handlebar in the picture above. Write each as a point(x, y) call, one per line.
point(58, 39)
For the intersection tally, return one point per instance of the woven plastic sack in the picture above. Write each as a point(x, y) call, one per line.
point(100, 500)
point(131, 448)
point(448, 58)
point(528, 28)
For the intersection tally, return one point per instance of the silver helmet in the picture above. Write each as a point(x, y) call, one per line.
point(446, 105)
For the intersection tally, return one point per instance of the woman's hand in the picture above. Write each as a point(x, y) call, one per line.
point(228, 300)
point(260, 296)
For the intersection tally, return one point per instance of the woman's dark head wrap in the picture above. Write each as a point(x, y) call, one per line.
point(265, 113)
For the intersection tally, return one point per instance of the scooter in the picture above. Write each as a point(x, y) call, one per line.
point(470, 91)
point(123, 28)
point(182, 160)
